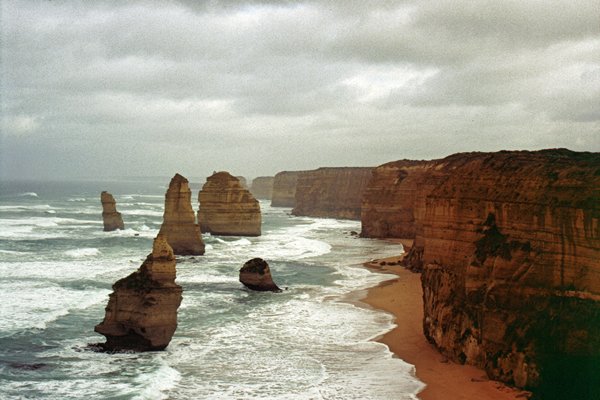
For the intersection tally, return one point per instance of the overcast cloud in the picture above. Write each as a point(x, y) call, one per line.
point(112, 88)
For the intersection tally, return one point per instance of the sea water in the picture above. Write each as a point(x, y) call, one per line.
point(56, 271)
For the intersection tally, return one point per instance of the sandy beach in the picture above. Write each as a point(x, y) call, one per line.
point(444, 379)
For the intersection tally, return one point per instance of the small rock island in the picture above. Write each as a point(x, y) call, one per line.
point(110, 216)
point(141, 314)
point(256, 275)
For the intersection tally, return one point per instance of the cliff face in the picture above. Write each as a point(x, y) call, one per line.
point(331, 192)
point(226, 208)
point(111, 218)
point(179, 221)
point(284, 189)
point(509, 248)
point(262, 187)
point(141, 314)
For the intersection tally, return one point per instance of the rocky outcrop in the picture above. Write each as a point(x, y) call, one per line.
point(509, 248)
point(226, 208)
point(141, 314)
point(111, 218)
point(179, 221)
point(262, 187)
point(331, 192)
point(284, 189)
point(256, 275)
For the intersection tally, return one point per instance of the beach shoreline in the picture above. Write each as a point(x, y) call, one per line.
point(402, 297)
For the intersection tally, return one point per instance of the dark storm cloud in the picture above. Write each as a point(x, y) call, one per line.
point(261, 86)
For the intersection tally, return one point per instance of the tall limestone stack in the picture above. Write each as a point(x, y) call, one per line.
point(226, 208)
point(262, 187)
point(331, 192)
point(111, 218)
point(141, 314)
point(284, 189)
point(509, 248)
point(179, 221)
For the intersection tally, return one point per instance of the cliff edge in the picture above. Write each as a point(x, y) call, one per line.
point(509, 248)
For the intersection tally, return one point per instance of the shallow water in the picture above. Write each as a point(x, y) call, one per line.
point(56, 271)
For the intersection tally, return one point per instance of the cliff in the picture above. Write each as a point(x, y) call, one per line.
point(226, 208)
point(141, 314)
point(262, 187)
point(179, 221)
point(284, 189)
point(509, 248)
point(331, 192)
point(110, 217)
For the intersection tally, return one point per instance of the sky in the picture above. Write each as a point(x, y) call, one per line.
point(98, 89)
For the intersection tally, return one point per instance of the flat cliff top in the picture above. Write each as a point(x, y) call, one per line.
point(555, 177)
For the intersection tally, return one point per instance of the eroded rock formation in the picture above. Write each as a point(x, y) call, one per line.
point(262, 187)
point(284, 189)
point(256, 275)
point(509, 248)
point(331, 192)
point(179, 220)
point(111, 218)
point(226, 208)
point(141, 314)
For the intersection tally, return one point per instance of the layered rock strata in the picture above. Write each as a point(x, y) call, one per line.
point(509, 248)
point(256, 275)
point(226, 208)
point(110, 216)
point(179, 220)
point(331, 192)
point(262, 187)
point(141, 314)
point(284, 189)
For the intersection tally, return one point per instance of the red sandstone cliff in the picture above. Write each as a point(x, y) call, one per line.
point(284, 189)
point(227, 208)
point(509, 246)
point(331, 192)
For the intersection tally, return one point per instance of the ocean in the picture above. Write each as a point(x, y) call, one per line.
point(308, 342)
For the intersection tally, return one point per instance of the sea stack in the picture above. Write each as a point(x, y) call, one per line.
point(111, 218)
point(179, 221)
point(256, 275)
point(226, 208)
point(141, 314)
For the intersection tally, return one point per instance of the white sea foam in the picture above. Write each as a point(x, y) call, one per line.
point(28, 194)
point(83, 252)
point(25, 207)
point(77, 199)
point(150, 213)
point(156, 384)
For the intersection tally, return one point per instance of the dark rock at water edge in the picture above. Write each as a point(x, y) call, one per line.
point(256, 275)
